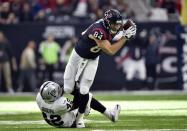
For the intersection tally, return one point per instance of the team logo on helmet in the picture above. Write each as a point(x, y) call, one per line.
point(53, 93)
point(113, 16)
point(107, 15)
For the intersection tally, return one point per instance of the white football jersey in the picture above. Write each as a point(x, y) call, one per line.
point(57, 113)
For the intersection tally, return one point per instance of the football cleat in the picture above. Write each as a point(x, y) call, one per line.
point(80, 120)
point(80, 124)
point(114, 113)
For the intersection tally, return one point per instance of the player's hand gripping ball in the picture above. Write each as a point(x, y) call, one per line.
point(129, 29)
point(128, 24)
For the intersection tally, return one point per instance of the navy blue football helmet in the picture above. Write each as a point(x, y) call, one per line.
point(113, 17)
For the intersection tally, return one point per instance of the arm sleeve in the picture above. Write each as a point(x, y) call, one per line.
point(118, 36)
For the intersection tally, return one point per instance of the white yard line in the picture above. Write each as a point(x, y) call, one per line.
point(136, 108)
point(22, 122)
point(27, 122)
point(31, 106)
point(42, 122)
point(39, 122)
point(132, 108)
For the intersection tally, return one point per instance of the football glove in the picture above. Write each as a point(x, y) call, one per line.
point(130, 32)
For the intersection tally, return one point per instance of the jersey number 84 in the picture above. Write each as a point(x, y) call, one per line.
point(99, 36)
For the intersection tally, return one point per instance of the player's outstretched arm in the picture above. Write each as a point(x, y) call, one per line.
point(107, 47)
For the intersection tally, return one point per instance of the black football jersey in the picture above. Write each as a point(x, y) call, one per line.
point(86, 47)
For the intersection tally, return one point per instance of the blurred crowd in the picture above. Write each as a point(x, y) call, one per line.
point(41, 61)
point(165, 10)
point(45, 58)
point(16, 11)
point(142, 57)
point(51, 52)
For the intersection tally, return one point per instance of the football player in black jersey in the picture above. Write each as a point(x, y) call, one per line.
point(83, 62)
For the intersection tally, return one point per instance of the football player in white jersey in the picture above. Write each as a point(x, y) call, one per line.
point(58, 111)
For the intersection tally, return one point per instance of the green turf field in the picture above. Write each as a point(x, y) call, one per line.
point(139, 112)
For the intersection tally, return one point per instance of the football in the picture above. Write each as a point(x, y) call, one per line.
point(128, 23)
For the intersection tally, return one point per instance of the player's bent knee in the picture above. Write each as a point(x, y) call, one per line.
point(84, 90)
point(68, 90)
point(68, 86)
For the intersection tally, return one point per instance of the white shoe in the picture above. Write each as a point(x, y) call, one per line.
point(80, 121)
point(114, 113)
point(80, 124)
point(88, 108)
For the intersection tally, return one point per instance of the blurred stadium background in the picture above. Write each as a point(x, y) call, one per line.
point(148, 76)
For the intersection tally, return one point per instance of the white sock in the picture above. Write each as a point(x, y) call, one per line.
point(107, 113)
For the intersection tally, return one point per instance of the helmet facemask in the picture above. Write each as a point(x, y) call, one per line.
point(114, 28)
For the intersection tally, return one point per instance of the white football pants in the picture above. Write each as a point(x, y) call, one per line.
point(81, 70)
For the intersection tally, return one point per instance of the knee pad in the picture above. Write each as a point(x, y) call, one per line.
point(68, 89)
point(69, 79)
point(85, 86)
point(84, 90)
point(68, 86)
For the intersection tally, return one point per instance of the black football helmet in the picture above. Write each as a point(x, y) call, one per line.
point(112, 17)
